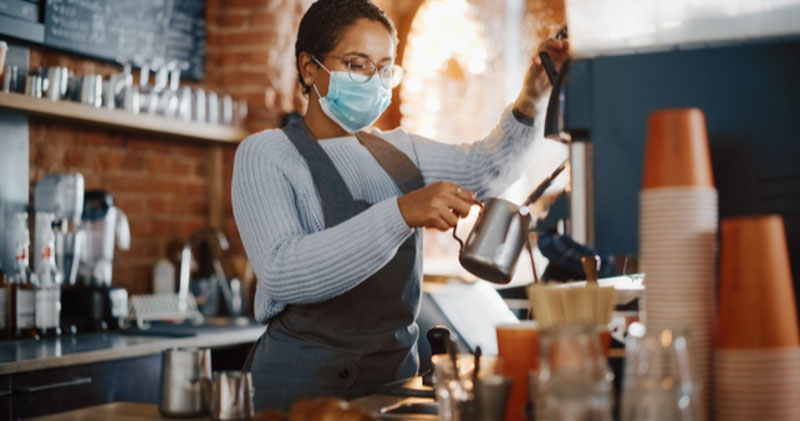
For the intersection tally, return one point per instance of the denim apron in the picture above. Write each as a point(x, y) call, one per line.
point(349, 344)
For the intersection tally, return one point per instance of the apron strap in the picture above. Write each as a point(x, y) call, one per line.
point(329, 182)
point(397, 164)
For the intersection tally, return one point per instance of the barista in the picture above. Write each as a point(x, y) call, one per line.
point(331, 217)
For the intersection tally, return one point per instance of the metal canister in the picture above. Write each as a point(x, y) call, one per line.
point(184, 373)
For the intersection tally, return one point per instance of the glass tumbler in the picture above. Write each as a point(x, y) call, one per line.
point(574, 382)
point(452, 384)
point(658, 384)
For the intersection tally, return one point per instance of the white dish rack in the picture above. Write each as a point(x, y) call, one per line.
point(162, 307)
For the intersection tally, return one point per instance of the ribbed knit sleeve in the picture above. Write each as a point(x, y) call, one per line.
point(487, 167)
point(292, 264)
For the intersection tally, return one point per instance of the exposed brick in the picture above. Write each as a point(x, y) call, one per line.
point(161, 183)
point(248, 38)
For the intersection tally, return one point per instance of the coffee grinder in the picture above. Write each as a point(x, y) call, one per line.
point(93, 304)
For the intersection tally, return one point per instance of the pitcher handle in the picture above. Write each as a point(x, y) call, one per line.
point(460, 241)
point(455, 228)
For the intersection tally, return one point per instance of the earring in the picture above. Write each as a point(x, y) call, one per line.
point(308, 81)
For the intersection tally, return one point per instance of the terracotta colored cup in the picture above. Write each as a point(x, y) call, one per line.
point(756, 296)
point(518, 347)
point(677, 153)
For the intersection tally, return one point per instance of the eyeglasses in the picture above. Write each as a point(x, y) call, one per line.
point(361, 70)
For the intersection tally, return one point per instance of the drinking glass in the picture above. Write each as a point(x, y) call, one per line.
point(658, 384)
point(574, 381)
point(452, 384)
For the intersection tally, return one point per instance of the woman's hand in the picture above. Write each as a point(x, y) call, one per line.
point(536, 84)
point(436, 206)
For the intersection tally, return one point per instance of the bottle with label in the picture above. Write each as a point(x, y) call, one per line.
point(23, 295)
point(47, 290)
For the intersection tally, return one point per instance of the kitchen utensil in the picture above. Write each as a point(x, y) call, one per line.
point(574, 382)
point(183, 372)
point(230, 395)
point(33, 85)
point(658, 382)
point(501, 231)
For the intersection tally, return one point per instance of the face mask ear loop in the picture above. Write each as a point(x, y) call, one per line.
point(314, 85)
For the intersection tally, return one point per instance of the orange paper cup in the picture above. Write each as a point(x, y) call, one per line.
point(518, 348)
point(677, 153)
point(756, 296)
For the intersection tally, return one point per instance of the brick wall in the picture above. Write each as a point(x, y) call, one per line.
point(162, 183)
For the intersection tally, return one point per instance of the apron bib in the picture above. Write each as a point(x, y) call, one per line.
point(350, 344)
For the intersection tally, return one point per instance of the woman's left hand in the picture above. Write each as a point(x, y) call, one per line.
point(536, 84)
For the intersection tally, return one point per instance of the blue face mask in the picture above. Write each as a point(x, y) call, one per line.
point(354, 105)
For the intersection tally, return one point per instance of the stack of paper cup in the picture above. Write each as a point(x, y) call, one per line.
point(677, 234)
point(757, 355)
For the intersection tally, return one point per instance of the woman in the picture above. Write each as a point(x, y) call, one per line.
point(332, 222)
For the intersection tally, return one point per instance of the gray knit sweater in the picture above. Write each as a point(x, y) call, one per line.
point(280, 220)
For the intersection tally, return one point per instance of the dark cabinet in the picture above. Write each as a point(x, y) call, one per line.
point(37, 393)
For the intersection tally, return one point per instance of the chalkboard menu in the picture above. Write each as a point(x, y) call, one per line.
point(130, 30)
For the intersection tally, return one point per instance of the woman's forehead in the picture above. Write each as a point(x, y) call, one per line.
point(366, 37)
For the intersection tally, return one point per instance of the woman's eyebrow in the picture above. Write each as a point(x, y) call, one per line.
point(365, 55)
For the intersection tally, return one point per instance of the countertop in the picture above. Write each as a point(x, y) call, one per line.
point(131, 411)
point(28, 354)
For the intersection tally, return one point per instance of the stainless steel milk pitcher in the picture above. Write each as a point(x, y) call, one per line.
point(494, 245)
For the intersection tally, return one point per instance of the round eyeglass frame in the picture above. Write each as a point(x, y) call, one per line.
point(393, 69)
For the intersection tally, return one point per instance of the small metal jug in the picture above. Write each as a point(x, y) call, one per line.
point(230, 395)
point(183, 372)
point(494, 245)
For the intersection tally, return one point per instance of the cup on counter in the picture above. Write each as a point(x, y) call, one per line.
point(230, 395)
point(518, 348)
point(677, 152)
point(574, 381)
point(184, 372)
point(658, 383)
point(756, 296)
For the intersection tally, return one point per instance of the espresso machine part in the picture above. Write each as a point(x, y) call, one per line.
point(103, 224)
point(47, 293)
point(62, 195)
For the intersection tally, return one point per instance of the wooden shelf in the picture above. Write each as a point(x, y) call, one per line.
point(117, 119)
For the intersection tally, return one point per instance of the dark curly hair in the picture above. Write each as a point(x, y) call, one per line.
point(322, 26)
